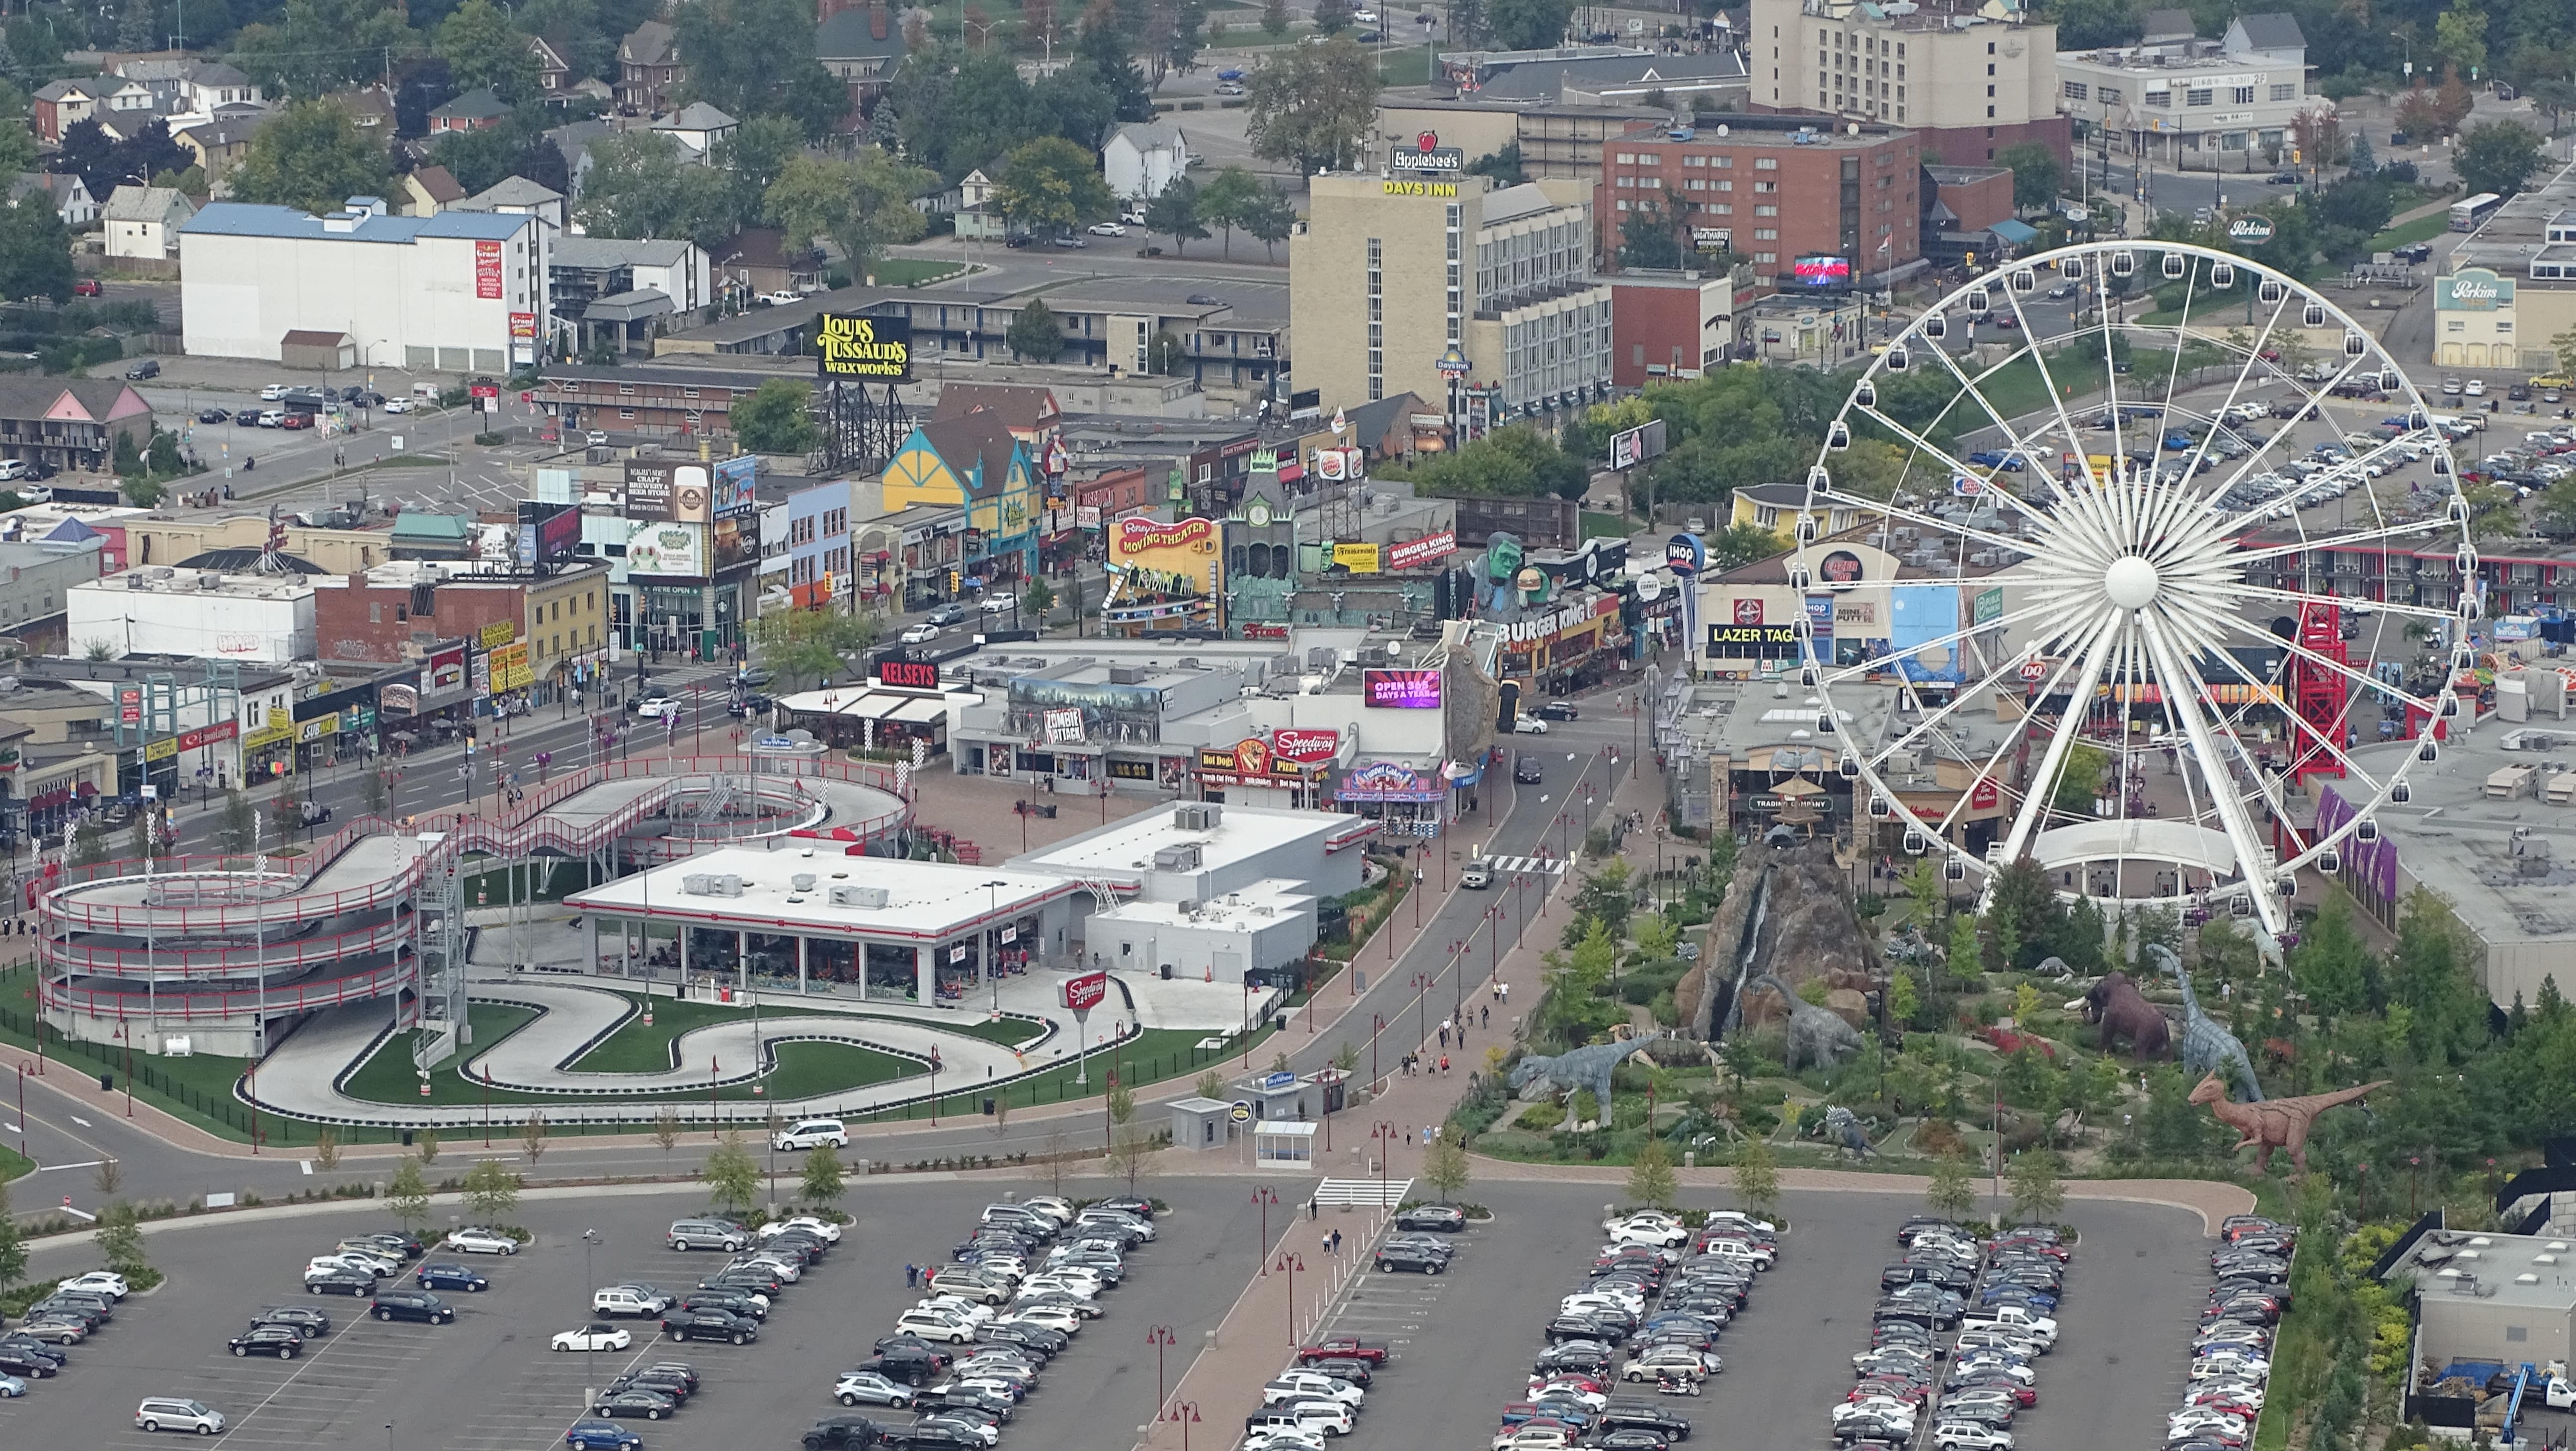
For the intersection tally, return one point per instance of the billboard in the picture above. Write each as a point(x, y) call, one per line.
point(690, 493)
point(1357, 558)
point(677, 551)
point(1822, 271)
point(487, 270)
point(1424, 550)
point(736, 487)
point(648, 490)
point(848, 346)
point(735, 540)
point(1305, 745)
point(1401, 689)
point(1163, 572)
point(549, 534)
point(523, 337)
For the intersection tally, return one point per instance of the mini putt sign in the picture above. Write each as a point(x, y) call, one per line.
point(2253, 231)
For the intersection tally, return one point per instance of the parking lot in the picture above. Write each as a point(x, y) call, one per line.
point(488, 1383)
point(1461, 1343)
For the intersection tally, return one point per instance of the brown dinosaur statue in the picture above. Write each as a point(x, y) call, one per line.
point(2280, 1123)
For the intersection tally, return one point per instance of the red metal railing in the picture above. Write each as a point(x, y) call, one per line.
point(184, 1005)
point(233, 958)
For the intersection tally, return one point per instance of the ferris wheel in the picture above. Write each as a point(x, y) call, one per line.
point(2117, 559)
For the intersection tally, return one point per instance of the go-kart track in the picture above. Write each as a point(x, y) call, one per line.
point(225, 952)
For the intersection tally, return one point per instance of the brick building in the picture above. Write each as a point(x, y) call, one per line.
point(1774, 188)
point(1668, 325)
point(387, 614)
point(659, 400)
point(1972, 78)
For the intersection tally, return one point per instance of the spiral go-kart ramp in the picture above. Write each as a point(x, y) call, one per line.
point(226, 951)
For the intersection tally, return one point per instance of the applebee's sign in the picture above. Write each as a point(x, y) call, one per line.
point(1427, 155)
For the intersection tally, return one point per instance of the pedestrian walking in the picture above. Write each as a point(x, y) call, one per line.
point(1444, 1035)
point(1484, 1017)
point(911, 1277)
point(1444, 1065)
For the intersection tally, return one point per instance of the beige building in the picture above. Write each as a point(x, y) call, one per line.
point(2194, 102)
point(1556, 142)
point(1392, 271)
point(172, 539)
point(2511, 286)
point(1971, 79)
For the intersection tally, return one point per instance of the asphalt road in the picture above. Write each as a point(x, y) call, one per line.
point(488, 1383)
point(1463, 1342)
point(1515, 821)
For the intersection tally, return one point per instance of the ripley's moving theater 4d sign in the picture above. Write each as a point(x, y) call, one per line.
point(853, 347)
point(1164, 575)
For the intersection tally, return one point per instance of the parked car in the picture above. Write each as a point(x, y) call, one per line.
point(480, 1241)
point(412, 1305)
point(278, 1340)
point(157, 1412)
point(598, 1335)
point(590, 1435)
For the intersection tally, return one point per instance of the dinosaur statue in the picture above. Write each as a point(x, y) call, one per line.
point(1841, 1125)
point(2280, 1124)
point(2123, 1013)
point(1815, 1034)
point(2205, 1046)
point(1585, 1067)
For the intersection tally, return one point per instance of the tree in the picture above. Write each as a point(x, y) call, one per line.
point(1528, 24)
point(482, 48)
point(1035, 601)
point(756, 57)
point(1051, 184)
point(642, 185)
point(1444, 1167)
point(862, 205)
point(1274, 17)
point(1174, 213)
point(311, 47)
point(1036, 333)
point(2036, 174)
point(1953, 1191)
point(407, 1193)
point(326, 1150)
point(1904, 1000)
point(2460, 37)
point(731, 1174)
point(1311, 104)
point(1332, 17)
point(35, 250)
point(89, 842)
point(234, 832)
point(2564, 345)
point(120, 1239)
point(1165, 354)
point(310, 156)
point(1231, 198)
point(809, 644)
point(491, 1191)
point(1269, 221)
point(1757, 1177)
point(822, 1186)
point(1649, 237)
point(1651, 1181)
point(778, 417)
point(666, 1129)
point(2499, 156)
point(2318, 133)
point(427, 1142)
point(13, 1243)
point(2037, 1195)
point(2417, 114)
point(2333, 967)
point(532, 1137)
point(1514, 462)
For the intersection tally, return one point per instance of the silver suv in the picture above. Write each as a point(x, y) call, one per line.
point(707, 1234)
point(175, 1414)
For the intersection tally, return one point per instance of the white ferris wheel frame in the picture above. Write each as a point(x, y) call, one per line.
point(2136, 579)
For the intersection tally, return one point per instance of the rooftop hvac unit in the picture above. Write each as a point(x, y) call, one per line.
point(1182, 858)
point(1198, 815)
point(209, 579)
point(696, 885)
point(871, 899)
point(802, 881)
point(724, 884)
point(1126, 675)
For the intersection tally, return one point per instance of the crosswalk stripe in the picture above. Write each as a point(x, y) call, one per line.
point(1529, 864)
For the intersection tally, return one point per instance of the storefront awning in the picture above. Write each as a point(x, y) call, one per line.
point(919, 712)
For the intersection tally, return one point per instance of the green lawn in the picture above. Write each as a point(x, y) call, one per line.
point(1598, 525)
point(913, 271)
point(637, 1048)
point(11, 1165)
point(388, 1076)
point(2422, 229)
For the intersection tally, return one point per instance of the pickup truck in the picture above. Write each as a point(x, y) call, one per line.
point(1344, 1347)
point(2013, 1317)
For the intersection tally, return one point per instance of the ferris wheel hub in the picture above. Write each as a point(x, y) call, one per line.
point(2131, 582)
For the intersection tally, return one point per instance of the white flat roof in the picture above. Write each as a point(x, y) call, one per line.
point(1233, 912)
point(1124, 850)
point(926, 902)
point(861, 702)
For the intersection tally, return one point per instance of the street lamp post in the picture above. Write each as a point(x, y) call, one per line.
point(1160, 1337)
point(1262, 1199)
point(1422, 1004)
point(1187, 1414)
point(1385, 1135)
point(589, 1346)
point(1291, 1263)
point(1377, 1024)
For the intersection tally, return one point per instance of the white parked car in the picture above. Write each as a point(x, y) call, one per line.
point(480, 1241)
point(813, 1133)
point(400, 405)
point(958, 1306)
point(99, 1282)
point(595, 1337)
point(866, 1387)
point(1970, 1436)
point(822, 1229)
point(1045, 1317)
point(1106, 229)
point(936, 1325)
point(921, 634)
point(1529, 725)
point(272, 392)
point(1657, 1229)
point(358, 1263)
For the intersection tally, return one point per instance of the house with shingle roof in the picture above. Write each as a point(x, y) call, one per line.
point(143, 222)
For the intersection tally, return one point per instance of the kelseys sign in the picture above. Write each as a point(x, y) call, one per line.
point(1427, 157)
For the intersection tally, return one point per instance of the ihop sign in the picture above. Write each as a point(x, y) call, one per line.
point(2473, 289)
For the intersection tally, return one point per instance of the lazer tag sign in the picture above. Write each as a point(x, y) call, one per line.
point(1427, 157)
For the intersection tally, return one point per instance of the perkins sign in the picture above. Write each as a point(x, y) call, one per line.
point(1427, 157)
point(875, 348)
point(2252, 230)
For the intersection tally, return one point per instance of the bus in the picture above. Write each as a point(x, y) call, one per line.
point(2469, 215)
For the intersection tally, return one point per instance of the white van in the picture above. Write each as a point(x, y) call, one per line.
point(814, 1133)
